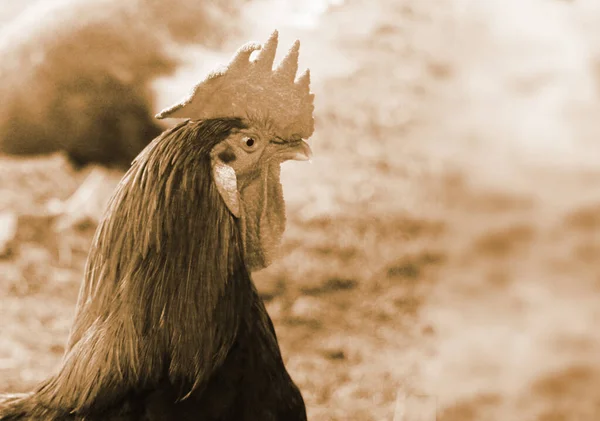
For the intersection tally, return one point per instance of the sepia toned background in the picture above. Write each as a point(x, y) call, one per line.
point(445, 239)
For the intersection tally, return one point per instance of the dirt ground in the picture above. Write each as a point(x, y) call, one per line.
point(444, 242)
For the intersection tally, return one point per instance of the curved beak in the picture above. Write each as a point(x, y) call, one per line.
point(297, 150)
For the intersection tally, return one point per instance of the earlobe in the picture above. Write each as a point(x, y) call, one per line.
point(226, 182)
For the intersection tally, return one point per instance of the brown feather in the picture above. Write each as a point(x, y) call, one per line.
point(168, 319)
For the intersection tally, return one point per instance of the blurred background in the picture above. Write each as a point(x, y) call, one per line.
point(444, 241)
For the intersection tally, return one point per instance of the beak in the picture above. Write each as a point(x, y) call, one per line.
point(297, 150)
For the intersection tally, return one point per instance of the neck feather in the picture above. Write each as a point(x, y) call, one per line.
point(165, 286)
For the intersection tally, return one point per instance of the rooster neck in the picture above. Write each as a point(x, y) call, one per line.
point(166, 286)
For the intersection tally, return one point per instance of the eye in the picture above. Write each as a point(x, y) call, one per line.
point(249, 142)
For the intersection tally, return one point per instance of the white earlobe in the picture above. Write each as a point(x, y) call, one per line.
point(226, 182)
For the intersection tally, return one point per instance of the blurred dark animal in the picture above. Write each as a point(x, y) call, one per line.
point(169, 325)
point(75, 75)
point(93, 121)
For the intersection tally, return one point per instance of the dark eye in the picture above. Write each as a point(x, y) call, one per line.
point(249, 141)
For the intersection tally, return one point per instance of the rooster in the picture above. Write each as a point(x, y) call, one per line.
point(168, 324)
